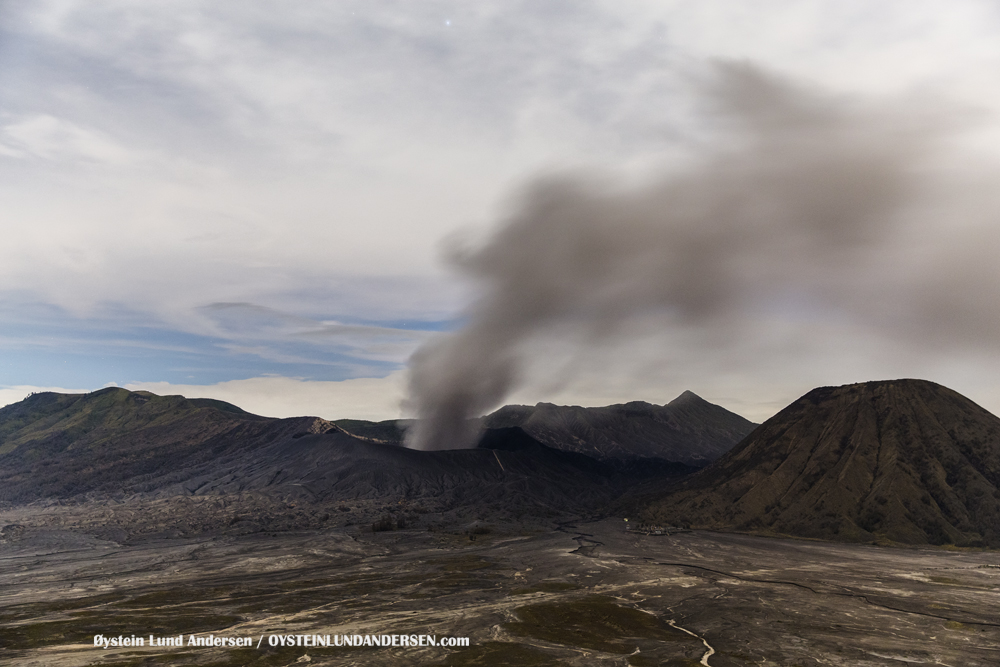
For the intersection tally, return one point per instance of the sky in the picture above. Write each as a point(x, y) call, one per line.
point(279, 206)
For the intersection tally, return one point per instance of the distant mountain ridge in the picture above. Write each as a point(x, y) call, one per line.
point(115, 442)
point(687, 430)
point(123, 449)
point(904, 460)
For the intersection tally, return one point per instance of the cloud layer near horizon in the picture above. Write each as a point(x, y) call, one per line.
point(375, 399)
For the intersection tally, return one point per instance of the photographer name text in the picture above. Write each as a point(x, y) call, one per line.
point(226, 641)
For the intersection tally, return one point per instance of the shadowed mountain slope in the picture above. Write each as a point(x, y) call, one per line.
point(687, 430)
point(116, 445)
point(905, 460)
point(510, 469)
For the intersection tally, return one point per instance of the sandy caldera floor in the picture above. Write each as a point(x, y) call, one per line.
point(584, 594)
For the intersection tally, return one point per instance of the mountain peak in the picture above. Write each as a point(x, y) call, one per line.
point(686, 397)
point(689, 430)
point(905, 460)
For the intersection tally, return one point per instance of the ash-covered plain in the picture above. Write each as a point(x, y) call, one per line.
point(580, 594)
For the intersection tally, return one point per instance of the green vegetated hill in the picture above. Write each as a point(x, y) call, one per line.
point(115, 441)
point(687, 430)
point(47, 417)
point(907, 460)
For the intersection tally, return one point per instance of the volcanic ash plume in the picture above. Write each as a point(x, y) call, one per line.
point(807, 196)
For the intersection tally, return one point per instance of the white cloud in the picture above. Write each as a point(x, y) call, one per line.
point(51, 138)
point(290, 150)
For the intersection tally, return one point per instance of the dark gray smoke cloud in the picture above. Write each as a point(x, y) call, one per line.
point(810, 202)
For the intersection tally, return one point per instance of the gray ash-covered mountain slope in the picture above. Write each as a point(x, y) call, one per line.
point(687, 430)
point(511, 472)
point(906, 460)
